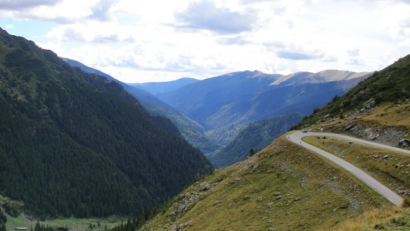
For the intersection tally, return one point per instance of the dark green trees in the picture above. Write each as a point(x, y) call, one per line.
point(3, 220)
point(251, 152)
point(76, 144)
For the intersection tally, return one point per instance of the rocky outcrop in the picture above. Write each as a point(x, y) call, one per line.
point(187, 201)
point(405, 143)
point(392, 136)
point(204, 186)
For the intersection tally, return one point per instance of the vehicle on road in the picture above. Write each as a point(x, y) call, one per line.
point(304, 131)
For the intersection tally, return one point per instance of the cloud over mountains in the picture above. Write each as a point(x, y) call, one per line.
point(160, 40)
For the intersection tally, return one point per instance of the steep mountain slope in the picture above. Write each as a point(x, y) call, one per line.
point(191, 130)
point(156, 88)
point(256, 135)
point(225, 104)
point(287, 187)
point(283, 187)
point(77, 144)
point(390, 85)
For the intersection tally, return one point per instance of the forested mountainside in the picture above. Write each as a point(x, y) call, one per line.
point(191, 130)
point(77, 144)
point(257, 135)
point(3, 220)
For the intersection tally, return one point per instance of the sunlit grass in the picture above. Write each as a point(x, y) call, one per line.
point(379, 219)
point(315, 194)
point(388, 167)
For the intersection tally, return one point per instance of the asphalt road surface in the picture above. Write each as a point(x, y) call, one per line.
point(370, 181)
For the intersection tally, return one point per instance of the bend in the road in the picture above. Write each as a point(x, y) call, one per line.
point(361, 175)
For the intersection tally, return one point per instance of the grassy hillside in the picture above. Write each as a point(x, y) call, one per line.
point(390, 85)
point(256, 135)
point(283, 187)
point(390, 168)
point(76, 144)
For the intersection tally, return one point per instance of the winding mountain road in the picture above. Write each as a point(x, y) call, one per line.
point(361, 175)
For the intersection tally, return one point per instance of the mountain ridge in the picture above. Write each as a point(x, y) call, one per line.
point(156, 88)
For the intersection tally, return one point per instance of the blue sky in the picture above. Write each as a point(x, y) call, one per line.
point(158, 40)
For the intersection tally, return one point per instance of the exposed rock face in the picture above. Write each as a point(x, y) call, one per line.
point(236, 180)
point(204, 186)
point(405, 143)
point(392, 136)
point(188, 201)
point(347, 127)
point(216, 202)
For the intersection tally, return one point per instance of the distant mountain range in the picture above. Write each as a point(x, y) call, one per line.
point(225, 104)
point(156, 88)
point(210, 113)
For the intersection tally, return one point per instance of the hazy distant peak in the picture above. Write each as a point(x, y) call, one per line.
point(360, 75)
point(319, 77)
point(259, 74)
point(332, 75)
point(336, 75)
point(288, 79)
point(250, 74)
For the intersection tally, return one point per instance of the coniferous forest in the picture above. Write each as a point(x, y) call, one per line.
point(76, 144)
point(3, 220)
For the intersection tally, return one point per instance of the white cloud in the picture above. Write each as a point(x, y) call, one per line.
point(18, 5)
point(205, 15)
point(138, 40)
